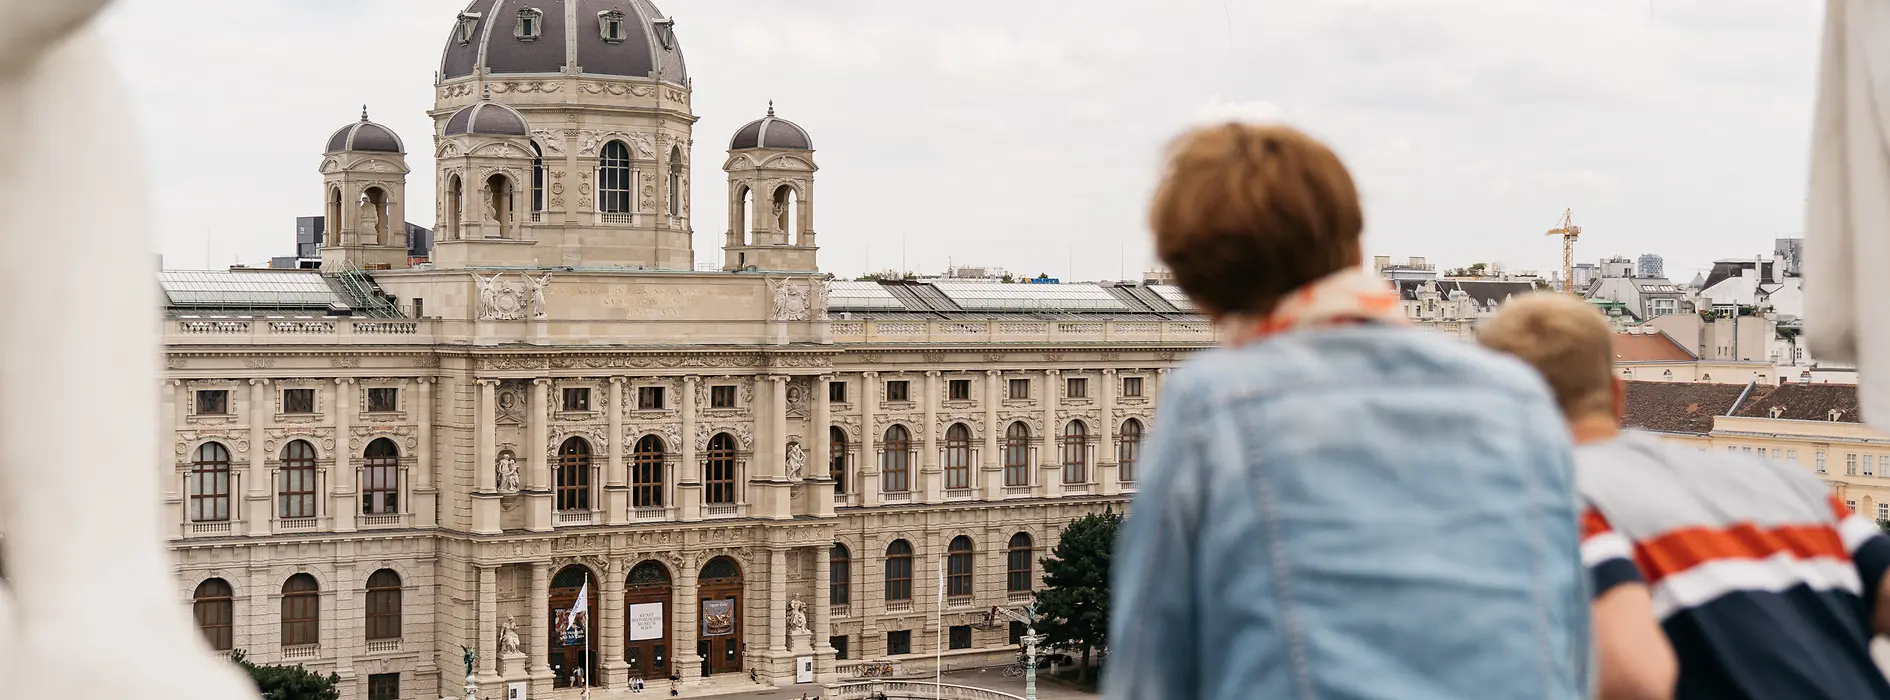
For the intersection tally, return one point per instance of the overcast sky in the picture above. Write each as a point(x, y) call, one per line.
point(1025, 133)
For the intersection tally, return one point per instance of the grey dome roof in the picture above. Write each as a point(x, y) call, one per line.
point(487, 118)
point(772, 132)
point(488, 35)
point(365, 135)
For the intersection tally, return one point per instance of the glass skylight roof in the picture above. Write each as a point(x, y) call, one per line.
point(861, 296)
point(1174, 295)
point(251, 289)
point(992, 296)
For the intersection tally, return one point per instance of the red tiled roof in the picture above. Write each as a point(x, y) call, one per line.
point(1649, 347)
point(1802, 402)
point(1678, 407)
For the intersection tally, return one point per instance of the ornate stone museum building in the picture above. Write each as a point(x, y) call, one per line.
point(743, 466)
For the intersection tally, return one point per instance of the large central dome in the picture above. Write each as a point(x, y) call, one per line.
point(617, 38)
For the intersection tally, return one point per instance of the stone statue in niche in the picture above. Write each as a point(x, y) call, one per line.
point(108, 565)
point(797, 617)
point(370, 226)
point(781, 215)
point(796, 460)
point(538, 294)
point(508, 638)
point(507, 472)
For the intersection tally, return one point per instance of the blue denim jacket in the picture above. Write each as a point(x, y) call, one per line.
point(1354, 513)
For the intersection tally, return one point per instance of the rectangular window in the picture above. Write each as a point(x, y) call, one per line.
point(898, 391)
point(960, 636)
point(1870, 465)
point(1791, 456)
point(577, 399)
point(1852, 505)
point(213, 403)
point(959, 390)
point(650, 398)
point(383, 400)
point(1883, 511)
point(1018, 629)
point(1821, 462)
point(1733, 449)
point(721, 397)
point(298, 400)
point(1020, 388)
point(899, 643)
point(839, 645)
point(837, 392)
point(1748, 449)
point(1076, 388)
point(1132, 387)
point(1850, 464)
point(383, 686)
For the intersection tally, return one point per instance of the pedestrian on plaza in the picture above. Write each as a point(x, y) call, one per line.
point(1764, 584)
point(1335, 505)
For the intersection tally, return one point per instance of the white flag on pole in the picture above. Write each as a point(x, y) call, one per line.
point(580, 607)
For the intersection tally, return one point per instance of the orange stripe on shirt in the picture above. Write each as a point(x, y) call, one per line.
point(1594, 524)
point(1677, 551)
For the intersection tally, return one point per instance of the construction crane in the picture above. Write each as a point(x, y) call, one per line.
point(1569, 232)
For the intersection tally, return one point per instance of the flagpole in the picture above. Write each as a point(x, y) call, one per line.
point(590, 637)
point(938, 644)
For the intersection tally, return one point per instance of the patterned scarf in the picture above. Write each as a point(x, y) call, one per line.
point(1349, 296)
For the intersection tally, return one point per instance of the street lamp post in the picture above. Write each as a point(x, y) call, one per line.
point(1031, 639)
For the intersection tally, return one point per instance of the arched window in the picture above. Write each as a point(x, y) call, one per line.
point(499, 203)
point(785, 217)
point(646, 473)
point(720, 478)
point(538, 178)
point(333, 212)
point(455, 204)
point(210, 484)
point(1017, 558)
point(839, 575)
point(1129, 448)
point(373, 227)
point(958, 567)
point(383, 605)
point(837, 458)
point(301, 611)
point(958, 457)
point(380, 478)
point(675, 181)
point(899, 570)
point(1075, 452)
point(574, 475)
point(214, 609)
point(1017, 455)
point(745, 215)
point(613, 179)
point(295, 484)
point(895, 461)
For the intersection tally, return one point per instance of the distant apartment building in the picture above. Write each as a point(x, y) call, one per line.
point(308, 242)
point(1455, 306)
point(1650, 265)
point(1415, 268)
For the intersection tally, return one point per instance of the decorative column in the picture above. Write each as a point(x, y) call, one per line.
point(256, 513)
point(820, 463)
point(684, 659)
point(688, 502)
point(174, 498)
point(1108, 474)
point(486, 500)
point(777, 602)
point(823, 611)
point(610, 626)
point(777, 427)
point(993, 462)
point(423, 507)
point(867, 475)
point(538, 479)
point(616, 491)
point(488, 616)
point(1049, 461)
point(931, 475)
point(344, 508)
point(537, 610)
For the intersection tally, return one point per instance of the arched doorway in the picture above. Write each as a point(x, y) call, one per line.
point(646, 600)
point(719, 593)
point(572, 649)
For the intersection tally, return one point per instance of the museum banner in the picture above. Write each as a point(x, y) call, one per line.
point(718, 618)
point(646, 621)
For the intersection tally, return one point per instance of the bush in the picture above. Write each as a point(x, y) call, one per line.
point(289, 682)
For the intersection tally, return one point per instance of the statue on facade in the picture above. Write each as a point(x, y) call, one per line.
point(796, 460)
point(538, 294)
point(797, 617)
point(370, 222)
point(790, 301)
point(507, 472)
point(781, 215)
point(108, 565)
point(508, 638)
point(469, 655)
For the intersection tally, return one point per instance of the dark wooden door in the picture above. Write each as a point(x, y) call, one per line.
point(570, 655)
point(647, 609)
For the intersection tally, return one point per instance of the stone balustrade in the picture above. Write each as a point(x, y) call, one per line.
point(846, 331)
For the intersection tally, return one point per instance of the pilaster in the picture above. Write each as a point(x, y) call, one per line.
point(819, 503)
point(867, 476)
point(616, 491)
point(538, 610)
point(771, 478)
point(486, 500)
point(488, 616)
point(257, 513)
point(689, 483)
point(424, 507)
point(823, 612)
point(1050, 463)
point(992, 476)
point(343, 506)
point(931, 475)
point(615, 670)
point(538, 480)
point(1108, 471)
point(777, 602)
point(684, 659)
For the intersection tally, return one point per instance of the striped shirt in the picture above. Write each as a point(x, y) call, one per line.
point(1763, 581)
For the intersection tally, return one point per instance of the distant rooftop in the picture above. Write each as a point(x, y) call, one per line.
point(262, 291)
point(946, 298)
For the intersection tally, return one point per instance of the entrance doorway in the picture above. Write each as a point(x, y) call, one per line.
point(720, 597)
point(571, 650)
point(646, 600)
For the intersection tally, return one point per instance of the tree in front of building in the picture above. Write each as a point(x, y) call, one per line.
point(1073, 609)
point(290, 682)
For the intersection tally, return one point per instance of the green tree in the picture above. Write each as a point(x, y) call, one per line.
point(1883, 525)
point(1043, 275)
point(1073, 609)
point(289, 682)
